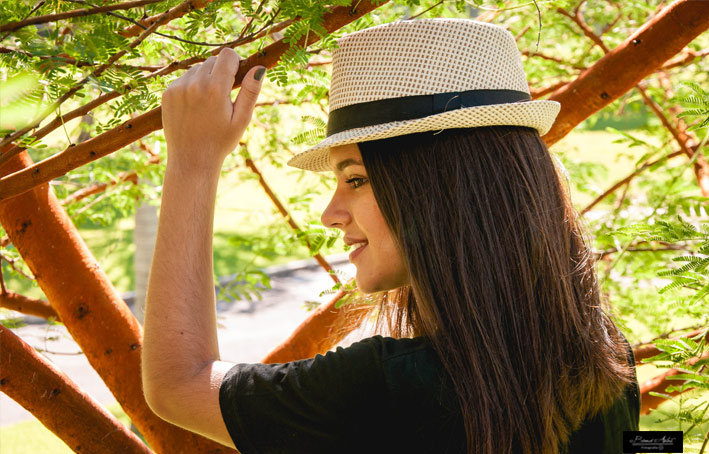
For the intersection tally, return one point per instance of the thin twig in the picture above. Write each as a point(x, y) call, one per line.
point(577, 17)
point(704, 443)
point(137, 28)
point(3, 289)
point(104, 98)
point(11, 262)
point(235, 42)
point(34, 9)
point(425, 11)
point(99, 187)
point(74, 89)
point(695, 330)
point(685, 59)
point(63, 58)
point(600, 255)
point(558, 60)
point(284, 212)
point(627, 179)
point(248, 24)
point(13, 26)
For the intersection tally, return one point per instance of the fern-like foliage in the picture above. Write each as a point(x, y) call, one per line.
point(311, 136)
point(694, 274)
point(698, 104)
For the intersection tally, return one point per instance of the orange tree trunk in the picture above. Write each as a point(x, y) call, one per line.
point(321, 331)
point(74, 283)
point(624, 67)
point(114, 139)
point(89, 306)
point(30, 306)
point(33, 382)
point(660, 382)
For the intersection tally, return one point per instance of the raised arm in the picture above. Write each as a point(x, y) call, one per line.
point(181, 367)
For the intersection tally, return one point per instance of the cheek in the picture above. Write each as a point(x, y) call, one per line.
point(386, 271)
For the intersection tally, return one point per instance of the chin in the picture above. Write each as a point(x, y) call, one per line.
point(371, 284)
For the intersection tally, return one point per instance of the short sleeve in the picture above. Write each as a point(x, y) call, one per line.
point(322, 404)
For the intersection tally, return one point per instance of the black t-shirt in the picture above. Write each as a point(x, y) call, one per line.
point(378, 395)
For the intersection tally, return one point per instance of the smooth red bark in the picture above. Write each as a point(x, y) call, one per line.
point(90, 307)
point(320, 332)
point(644, 352)
point(142, 125)
point(658, 384)
point(34, 382)
point(644, 52)
point(29, 306)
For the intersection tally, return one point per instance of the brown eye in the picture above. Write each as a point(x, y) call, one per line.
point(356, 182)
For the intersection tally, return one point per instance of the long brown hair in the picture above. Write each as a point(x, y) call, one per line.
point(502, 283)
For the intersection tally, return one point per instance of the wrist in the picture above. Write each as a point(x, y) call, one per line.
point(193, 170)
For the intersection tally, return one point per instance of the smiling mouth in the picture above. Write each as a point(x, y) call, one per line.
point(358, 248)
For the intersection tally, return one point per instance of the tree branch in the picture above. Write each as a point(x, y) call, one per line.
point(59, 120)
point(87, 303)
point(700, 165)
point(321, 331)
point(291, 222)
point(134, 129)
point(659, 383)
point(538, 93)
point(186, 4)
point(641, 54)
point(135, 30)
point(58, 403)
point(26, 305)
point(12, 26)
point(627, 179)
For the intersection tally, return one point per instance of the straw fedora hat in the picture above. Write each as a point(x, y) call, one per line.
point(425, 75)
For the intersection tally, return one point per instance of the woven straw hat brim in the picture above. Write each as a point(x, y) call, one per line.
point(539, 115)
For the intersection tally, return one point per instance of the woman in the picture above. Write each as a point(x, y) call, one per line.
point(456, 215)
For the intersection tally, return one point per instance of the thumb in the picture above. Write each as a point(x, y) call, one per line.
point(248, 94)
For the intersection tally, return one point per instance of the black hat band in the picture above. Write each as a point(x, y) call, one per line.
point(413, 107)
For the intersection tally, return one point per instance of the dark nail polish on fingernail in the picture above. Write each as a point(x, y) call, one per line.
point(259, 73)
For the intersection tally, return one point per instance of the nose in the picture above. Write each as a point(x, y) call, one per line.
point(336, 215)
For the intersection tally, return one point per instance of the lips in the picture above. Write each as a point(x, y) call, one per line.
point(357, 245)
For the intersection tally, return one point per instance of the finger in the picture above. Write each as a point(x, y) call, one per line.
point(206, 68)
point(188, 75)
point(225, 68)
point(179, 83)
point(248, 94)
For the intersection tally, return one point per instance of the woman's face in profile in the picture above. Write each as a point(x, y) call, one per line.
point(354, 210)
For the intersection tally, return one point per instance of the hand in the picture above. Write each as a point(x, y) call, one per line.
point(202, 125)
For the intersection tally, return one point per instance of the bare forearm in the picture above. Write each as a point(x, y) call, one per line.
point(181, 368)
point(180, 319)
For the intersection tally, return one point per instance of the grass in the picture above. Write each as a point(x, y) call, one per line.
point(31, 437)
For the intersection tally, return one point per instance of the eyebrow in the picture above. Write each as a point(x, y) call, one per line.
point(348, 162)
